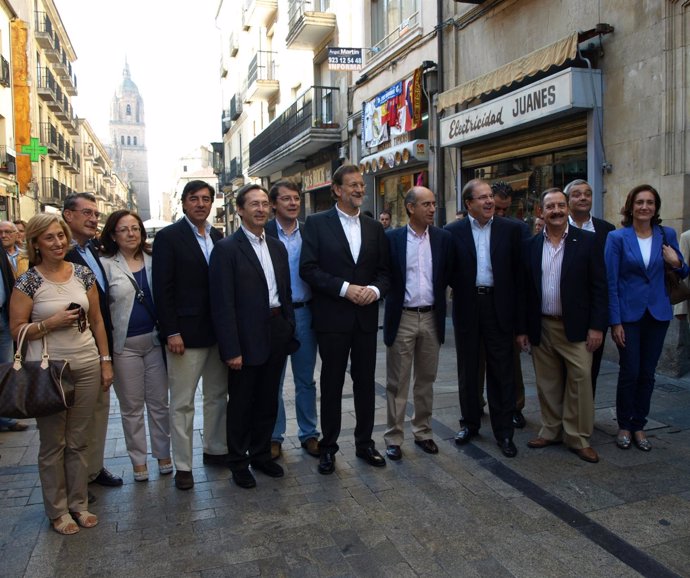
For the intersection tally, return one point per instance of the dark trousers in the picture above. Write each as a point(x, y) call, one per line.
point(596, 363)
point(335, 349)
point(644, 340)
point(498, 350)
point(253, 402)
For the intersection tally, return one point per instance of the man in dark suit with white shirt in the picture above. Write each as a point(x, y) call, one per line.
point(181, 254)
point(579, 193)
point(345, 261)
point(251, 302)
point(414, 323)
point(485, 284)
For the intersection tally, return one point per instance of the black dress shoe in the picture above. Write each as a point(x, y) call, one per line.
point(394, 452)
point(519, 420)
point(105, 478)
point(371, 456)
point(327, 463)
point(216, 459)
point(270, 468)
point(184, 480)
point(464, 435)
point(244, 478)
point(429, 446)
point(507, 447)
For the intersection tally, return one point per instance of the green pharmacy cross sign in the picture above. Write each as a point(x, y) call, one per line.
point(35, 150)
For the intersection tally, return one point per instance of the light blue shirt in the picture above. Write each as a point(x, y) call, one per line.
point(482, 244)
point(205, 241)
point(301, 292)
point(92, 262)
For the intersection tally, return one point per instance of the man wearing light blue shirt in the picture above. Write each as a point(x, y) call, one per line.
point(285, 198)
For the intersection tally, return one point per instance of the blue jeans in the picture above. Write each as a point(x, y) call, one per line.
point(6, 354)
point(303, 362)
point(644, 340)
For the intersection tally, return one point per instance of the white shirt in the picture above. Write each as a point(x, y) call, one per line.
point(551, 266)
point(482, 244)
point(645, 249)
point(419, 289)
point(353, 233)
point(261, 250)
point(588, 225)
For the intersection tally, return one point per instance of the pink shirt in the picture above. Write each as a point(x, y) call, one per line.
point(551, 265)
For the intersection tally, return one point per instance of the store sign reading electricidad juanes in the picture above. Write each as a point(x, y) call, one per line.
point(566, 90)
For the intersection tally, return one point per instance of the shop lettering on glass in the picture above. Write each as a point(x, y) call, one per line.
point(344, 58)
point(316, 177)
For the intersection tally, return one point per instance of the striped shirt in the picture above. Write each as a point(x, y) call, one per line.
point(551, 264)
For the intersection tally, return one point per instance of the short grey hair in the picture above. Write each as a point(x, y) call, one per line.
point(575, 183)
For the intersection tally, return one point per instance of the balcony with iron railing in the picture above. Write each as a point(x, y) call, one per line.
point(234, 44)
point(44, 33)
point(51, 192)
point(49, 138)
point(45, 85)
point(308, 125)
point(8, 164)
point(309, 25)
point(236, 107)
point(262, 78)
point(225, 121)
point(258, 12)
point(54, 53)
point(61, 66)
point(409, 28)
point(4, 72)
point(235, 171)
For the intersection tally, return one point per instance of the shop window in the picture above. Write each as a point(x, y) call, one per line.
point(528, 177)
point(392, 190)
point(390, 20)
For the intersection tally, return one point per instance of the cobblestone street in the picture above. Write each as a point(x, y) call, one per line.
point(464, 512)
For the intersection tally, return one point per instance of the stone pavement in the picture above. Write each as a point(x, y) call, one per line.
point(464, 512)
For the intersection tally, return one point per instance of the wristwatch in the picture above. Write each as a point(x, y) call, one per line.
point(106, 358)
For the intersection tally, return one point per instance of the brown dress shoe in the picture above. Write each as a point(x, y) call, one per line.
point(311, 445)
point(540, 442)
point(587, 454)
point(276, 450)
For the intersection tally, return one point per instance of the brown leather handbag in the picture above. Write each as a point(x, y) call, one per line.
point(676, 289)
point(31, 389)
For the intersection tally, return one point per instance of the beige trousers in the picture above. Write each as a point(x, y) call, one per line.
point(62, 454)
point(567, 409)
point(184, 372)
point(98, 432)
point(416, 346)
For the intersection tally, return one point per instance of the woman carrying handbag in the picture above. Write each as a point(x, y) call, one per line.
point(60, 302)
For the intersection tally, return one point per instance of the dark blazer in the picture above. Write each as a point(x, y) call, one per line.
point(239, 297)
point(326, 262)
point(584, 294)
point(505, 245)
point(8, 283)
point(180, 285)
point(601, 230)
point(73, 256)
point(442, 268)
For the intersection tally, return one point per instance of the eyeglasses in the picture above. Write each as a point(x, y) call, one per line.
point(483, 198)
point(88, 213)
point(124, 230)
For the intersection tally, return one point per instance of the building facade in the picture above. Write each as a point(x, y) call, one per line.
point(9, 191)
point(128, 140)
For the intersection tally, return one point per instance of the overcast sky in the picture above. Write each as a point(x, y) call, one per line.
point(172, 47)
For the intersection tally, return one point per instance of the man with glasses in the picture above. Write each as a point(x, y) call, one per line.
point(181, 253)
point(485, 293)
point(80, 212)
point(286, 198)
point(10, 243)
point(345, 261)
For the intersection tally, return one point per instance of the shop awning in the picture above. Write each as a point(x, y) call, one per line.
point(540, 60)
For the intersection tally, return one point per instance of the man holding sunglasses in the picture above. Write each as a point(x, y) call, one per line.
point(80, 212)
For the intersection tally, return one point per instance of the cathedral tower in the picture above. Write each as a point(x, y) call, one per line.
point(128, 140)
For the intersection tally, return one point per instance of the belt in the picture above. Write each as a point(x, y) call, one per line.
point(424, 309)
point(553, 317)
point(298, 304)
point(482, 290)
point(275, 311)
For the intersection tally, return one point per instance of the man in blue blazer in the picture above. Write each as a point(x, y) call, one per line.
point(80, 212)
point(415, 318)
point(251, 302)
point(181, 253)
point(345, 261)
point(564, 313)
point(485, 293)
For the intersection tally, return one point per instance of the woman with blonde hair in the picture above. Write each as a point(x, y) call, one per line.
point(58, 300)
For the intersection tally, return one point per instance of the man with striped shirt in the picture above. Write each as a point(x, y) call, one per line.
point(563, 316)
